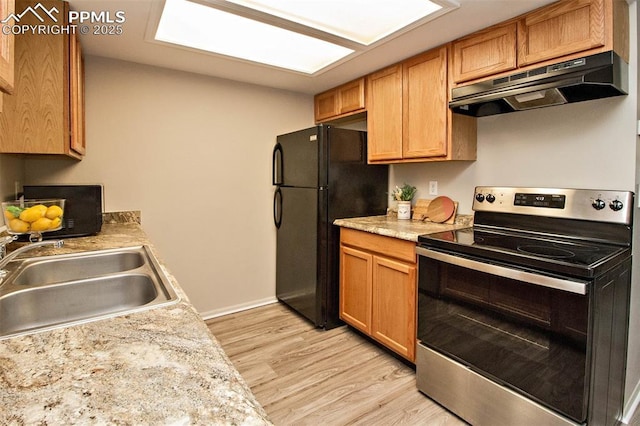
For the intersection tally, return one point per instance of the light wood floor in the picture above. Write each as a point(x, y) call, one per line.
point(305, 376)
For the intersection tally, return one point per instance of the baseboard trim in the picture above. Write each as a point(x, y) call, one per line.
point(632, 405)
point(237, 308)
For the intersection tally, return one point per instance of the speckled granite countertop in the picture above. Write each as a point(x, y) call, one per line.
point(159, 366)
point(403, 229)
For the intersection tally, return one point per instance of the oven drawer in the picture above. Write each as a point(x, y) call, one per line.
point(478, 400)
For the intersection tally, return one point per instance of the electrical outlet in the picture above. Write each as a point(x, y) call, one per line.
point(433, 187)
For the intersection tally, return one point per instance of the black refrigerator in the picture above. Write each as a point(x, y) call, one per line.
point(321, 174)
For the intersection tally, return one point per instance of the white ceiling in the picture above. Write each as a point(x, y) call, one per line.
point(140, 21)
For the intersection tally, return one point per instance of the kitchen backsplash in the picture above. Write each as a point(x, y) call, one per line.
point(122, 217)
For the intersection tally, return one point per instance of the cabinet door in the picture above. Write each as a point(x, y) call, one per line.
point(394, 305)
point(425, 106)
point(7, 7)
point(355, 288)
point(77, 142)
point(36, 117)
point(351, 96)
point(341, 101)
point(384, 114)
point(326, 105)
point(487, 52)
point(562, 29)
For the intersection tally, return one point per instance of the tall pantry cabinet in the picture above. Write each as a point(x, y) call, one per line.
point(45, 114)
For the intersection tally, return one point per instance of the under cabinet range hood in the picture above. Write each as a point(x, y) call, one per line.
point(592, 77)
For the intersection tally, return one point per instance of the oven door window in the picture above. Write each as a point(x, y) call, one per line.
point(527, 337)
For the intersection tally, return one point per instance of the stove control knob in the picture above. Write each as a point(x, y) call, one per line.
point(491, 198)
point(616, 205)
point(598, 204)
point(479, 197)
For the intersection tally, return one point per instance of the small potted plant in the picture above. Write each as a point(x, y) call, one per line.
point(403, 195)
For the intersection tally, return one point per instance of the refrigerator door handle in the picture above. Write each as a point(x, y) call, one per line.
point(277, 208)
point(276, 165)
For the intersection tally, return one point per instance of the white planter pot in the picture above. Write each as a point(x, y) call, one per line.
point(404, 209)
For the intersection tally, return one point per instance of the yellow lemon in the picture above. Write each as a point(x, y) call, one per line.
point(41, 224)
point(42, 208)
point(9, 215)
point(53, 212)
point(55, 223)
point(32, 214)
point(17, 225)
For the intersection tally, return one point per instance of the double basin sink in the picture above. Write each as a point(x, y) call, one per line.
point(47, 292)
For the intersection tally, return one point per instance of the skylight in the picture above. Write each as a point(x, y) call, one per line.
point(205, 28)
point(362, 21)
point(303, 36)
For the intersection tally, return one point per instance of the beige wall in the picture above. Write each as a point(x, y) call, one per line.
point(583, 145)
point(193, 153)
point(11, 172)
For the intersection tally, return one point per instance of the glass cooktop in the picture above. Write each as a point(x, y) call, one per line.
point(562, 256)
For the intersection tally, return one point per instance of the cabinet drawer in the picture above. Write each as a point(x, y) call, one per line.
point(388, 246)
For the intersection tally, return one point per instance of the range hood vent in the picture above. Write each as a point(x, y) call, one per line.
point(592, 77)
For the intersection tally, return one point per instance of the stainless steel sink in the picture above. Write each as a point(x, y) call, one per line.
point(57, 269)
point(55, 291)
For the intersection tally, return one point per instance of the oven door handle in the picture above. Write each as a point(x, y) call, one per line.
point(578, 287)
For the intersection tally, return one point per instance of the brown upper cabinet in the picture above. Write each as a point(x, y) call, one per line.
point(564, 28)
point(45, 114)
point(408, 119)
point(487, 52)
point(7, 7)
point(343, 101)
point(560, 31)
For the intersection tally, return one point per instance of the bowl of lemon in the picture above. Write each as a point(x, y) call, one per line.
point(33, 217)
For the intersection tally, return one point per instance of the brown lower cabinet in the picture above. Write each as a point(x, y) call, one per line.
point(378, 288)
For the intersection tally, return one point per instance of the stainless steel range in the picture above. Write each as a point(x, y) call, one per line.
point(523, 318)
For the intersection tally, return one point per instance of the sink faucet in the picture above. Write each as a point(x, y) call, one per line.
point(3, 244)
point(6, 258)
